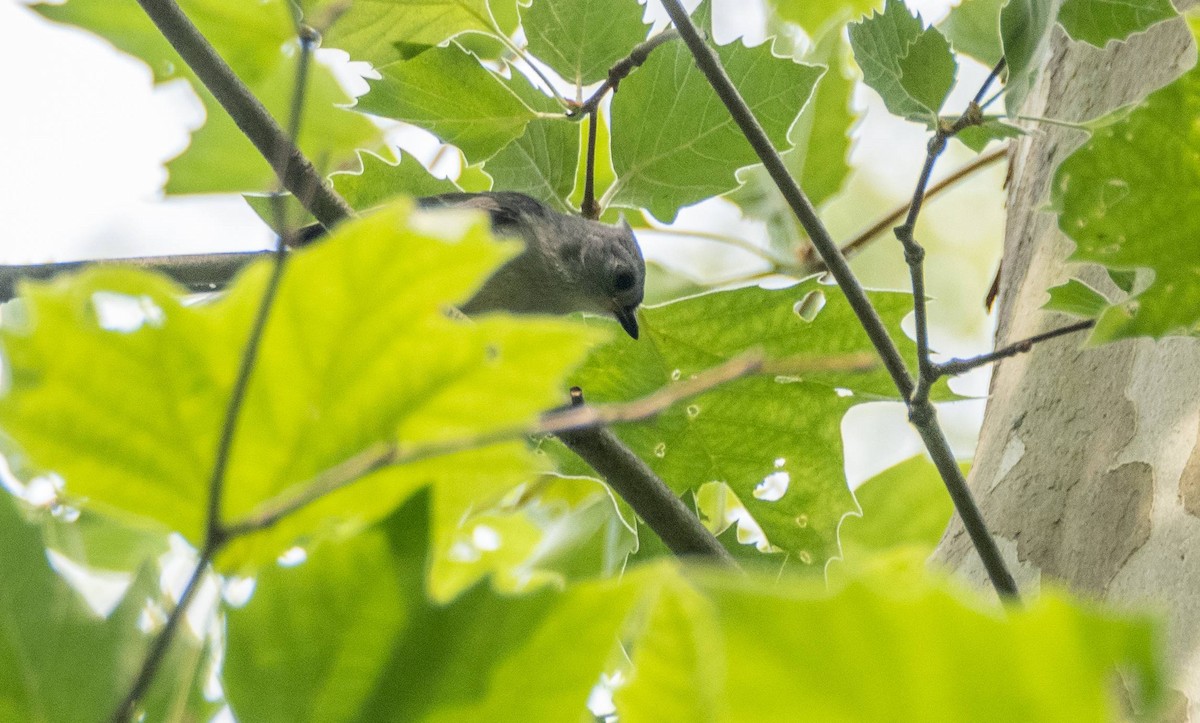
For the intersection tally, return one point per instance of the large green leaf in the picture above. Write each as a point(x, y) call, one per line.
point(306, 645)
point(380, 181)
point(351, 635)
point(973, 27)
point(905, 506)
point(542, 162)
point(695, 644)
point(821, 144)
point(59, 660)
point(774, 439)
point(582, 39)
point(674, 143)
point(447, 92)
point(1122, 197)
point(814, 15)
point(384, 31)
point(257, 40)
point(1099, 21)
point(358, 351)
point(890, 647)
point(910, 66)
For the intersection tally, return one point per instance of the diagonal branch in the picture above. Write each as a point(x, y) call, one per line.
point(296, 173)
point(926, 421)
point(961, 366)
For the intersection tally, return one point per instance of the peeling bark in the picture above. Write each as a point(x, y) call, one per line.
point(1088, 467)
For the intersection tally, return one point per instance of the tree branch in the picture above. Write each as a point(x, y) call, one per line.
point(812, 264)
point(296, 173)
point(961, 366)
point(708, 63)
point(387, 454)
point(620, 70)
point(646, 493)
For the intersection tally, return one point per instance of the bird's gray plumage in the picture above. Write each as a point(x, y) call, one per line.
point(569, 263)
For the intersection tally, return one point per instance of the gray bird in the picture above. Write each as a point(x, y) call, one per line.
point(569, 263)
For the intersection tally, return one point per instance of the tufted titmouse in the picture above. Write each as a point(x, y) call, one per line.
point(569, 263)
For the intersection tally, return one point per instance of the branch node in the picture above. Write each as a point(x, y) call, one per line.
point(937, 144)
point(921, 413)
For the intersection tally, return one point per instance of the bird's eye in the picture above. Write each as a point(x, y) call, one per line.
point(623, 281)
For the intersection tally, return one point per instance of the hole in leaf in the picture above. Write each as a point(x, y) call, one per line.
point(808, 307)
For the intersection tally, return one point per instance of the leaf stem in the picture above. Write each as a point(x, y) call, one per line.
point(216, 535)
point(127, 708)
point(926, 422)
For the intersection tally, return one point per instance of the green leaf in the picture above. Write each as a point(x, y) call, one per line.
point(59, 660)
point(973, 28)
point(1078, 299)
point(1025, 31)
point(754, 649)
point(821, 145)
point(377, 180)
point(816, 15)
point(384, 31)
point(910, 66)
point(257, 40)
point(306, 646)
point(778, 434)
point(221, 158)
point(927, 71)
point(582, 39)
point(1099, 21)
point(447, 92)
point(977, 137)
point(541, 163)
point(905, 506)
point(1121, 197)
point(380, 181)
point(693, 148)
point(357, 351)
point(483, 656)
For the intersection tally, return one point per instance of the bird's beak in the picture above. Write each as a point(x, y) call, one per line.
point(628, 319)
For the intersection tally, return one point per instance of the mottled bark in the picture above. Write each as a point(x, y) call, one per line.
point(1088, 468)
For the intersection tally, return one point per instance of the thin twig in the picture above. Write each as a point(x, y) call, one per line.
point(987, 83)
point(158, 649)
point(931, 433)
point(961, 366)
point(914, 253)
point(387, 454)
point(589, 208)
point(621, 69)
point(216, 535)
point(295, 172)
point(811, 264)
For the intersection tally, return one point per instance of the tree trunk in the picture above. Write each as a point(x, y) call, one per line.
point(1088, 468)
